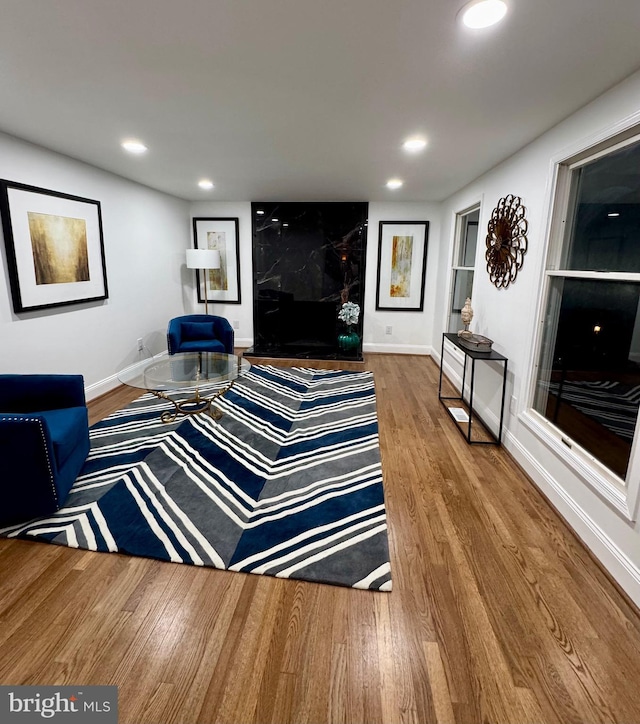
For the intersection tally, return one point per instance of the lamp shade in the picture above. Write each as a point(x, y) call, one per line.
point(203, 259)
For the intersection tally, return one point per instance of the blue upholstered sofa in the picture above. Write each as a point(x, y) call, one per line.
point(200, 333)
point(44, 441)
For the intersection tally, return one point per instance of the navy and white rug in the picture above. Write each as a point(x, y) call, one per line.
point(288, 483)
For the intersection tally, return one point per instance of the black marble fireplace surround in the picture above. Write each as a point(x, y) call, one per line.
point(308, 258)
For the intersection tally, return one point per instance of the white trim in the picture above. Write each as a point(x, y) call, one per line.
point(588, 157)
point(624, 499)
point(110, 383)
point(422, 349)
point(101, 387)
point(613, 558)
point(580, 461)
point(453, 250)
point(613, 276)
point(243, 342)
point(583, 145)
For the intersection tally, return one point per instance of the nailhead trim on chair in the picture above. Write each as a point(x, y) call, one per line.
point(46, 451)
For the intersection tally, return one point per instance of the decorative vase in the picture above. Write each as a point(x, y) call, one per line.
point(348, 342)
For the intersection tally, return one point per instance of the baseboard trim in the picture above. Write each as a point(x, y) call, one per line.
point(613, 560)
point(97, 389)
point(100, 388)
point(321, 364)
point(421, 349)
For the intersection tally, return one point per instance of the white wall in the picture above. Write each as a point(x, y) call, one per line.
point(145, 234)
point(242, 313)
point(509, 318)
point(412, 332)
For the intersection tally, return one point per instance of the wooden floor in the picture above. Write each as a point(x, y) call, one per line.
point(498, 614)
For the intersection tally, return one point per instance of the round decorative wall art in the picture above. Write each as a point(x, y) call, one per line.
point(506, 241)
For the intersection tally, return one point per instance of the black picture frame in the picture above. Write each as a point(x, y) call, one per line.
point(400, 286)
point(54, 245)
point(207, 231)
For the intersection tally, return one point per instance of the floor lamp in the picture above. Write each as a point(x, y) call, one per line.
point(204, 259)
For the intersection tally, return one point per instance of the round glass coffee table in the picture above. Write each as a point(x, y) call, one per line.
point(208, 374)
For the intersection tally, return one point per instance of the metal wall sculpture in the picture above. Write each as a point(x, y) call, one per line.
point(506, 241)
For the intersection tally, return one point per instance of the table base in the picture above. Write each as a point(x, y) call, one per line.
point(196, 405)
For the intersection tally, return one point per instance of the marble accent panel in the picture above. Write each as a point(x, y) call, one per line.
point(308, 258)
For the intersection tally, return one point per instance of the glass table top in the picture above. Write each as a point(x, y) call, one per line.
point(184, 370)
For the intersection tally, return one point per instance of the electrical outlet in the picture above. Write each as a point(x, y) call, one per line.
point(140, 344)
point(513, 405)
point(236, 324)
point(388, 329)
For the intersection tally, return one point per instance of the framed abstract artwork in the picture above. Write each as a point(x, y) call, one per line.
point(55, 247)
point(402, 262)
point(221, 234)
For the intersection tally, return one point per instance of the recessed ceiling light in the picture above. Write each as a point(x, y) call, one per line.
point(260, 212)
point(613, 213)
point(205, 184)
point(414, 144)
point(134, 146)
point(394, 183)
point(275, 219)
point(285, 224)
point(483, 13)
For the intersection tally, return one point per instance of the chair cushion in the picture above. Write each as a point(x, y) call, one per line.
point(196, 330)
point(202, 345)
point(67, 427)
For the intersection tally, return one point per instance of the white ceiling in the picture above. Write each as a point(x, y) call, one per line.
point(302, 99)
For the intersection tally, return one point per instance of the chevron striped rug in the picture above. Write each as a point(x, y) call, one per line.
point(288, 483)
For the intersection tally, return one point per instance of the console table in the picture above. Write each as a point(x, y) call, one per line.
point(474, 357)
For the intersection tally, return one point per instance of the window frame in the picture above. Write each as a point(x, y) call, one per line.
point(622, 495)
point(454, 267)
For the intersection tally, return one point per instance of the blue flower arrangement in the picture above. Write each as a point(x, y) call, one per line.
point(349, 313)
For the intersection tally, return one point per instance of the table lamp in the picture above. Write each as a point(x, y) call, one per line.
point(203, 259)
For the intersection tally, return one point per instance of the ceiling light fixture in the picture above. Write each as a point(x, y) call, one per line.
point(134, 146)
point(205, 184)
point(483, 13)
point(275, 219)
point(415, 144)
point(260, 212)
point(613, 214)
point(394, 183)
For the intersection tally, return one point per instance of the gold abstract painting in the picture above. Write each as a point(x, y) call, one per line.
point(218, 278)
point(59, 247)
point(401, 252)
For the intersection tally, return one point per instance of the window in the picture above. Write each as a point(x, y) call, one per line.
point(587, 383)
point(463, 263)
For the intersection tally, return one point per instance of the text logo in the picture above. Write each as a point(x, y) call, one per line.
point(60, 704)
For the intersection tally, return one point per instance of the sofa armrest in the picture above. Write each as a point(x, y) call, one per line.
point(173, 336)
point(26, 393)
point(29, 469)
point(26, 450)
point(224, 332)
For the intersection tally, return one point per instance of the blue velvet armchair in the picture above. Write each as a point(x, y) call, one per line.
point(44, 441)
point(200, 333)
